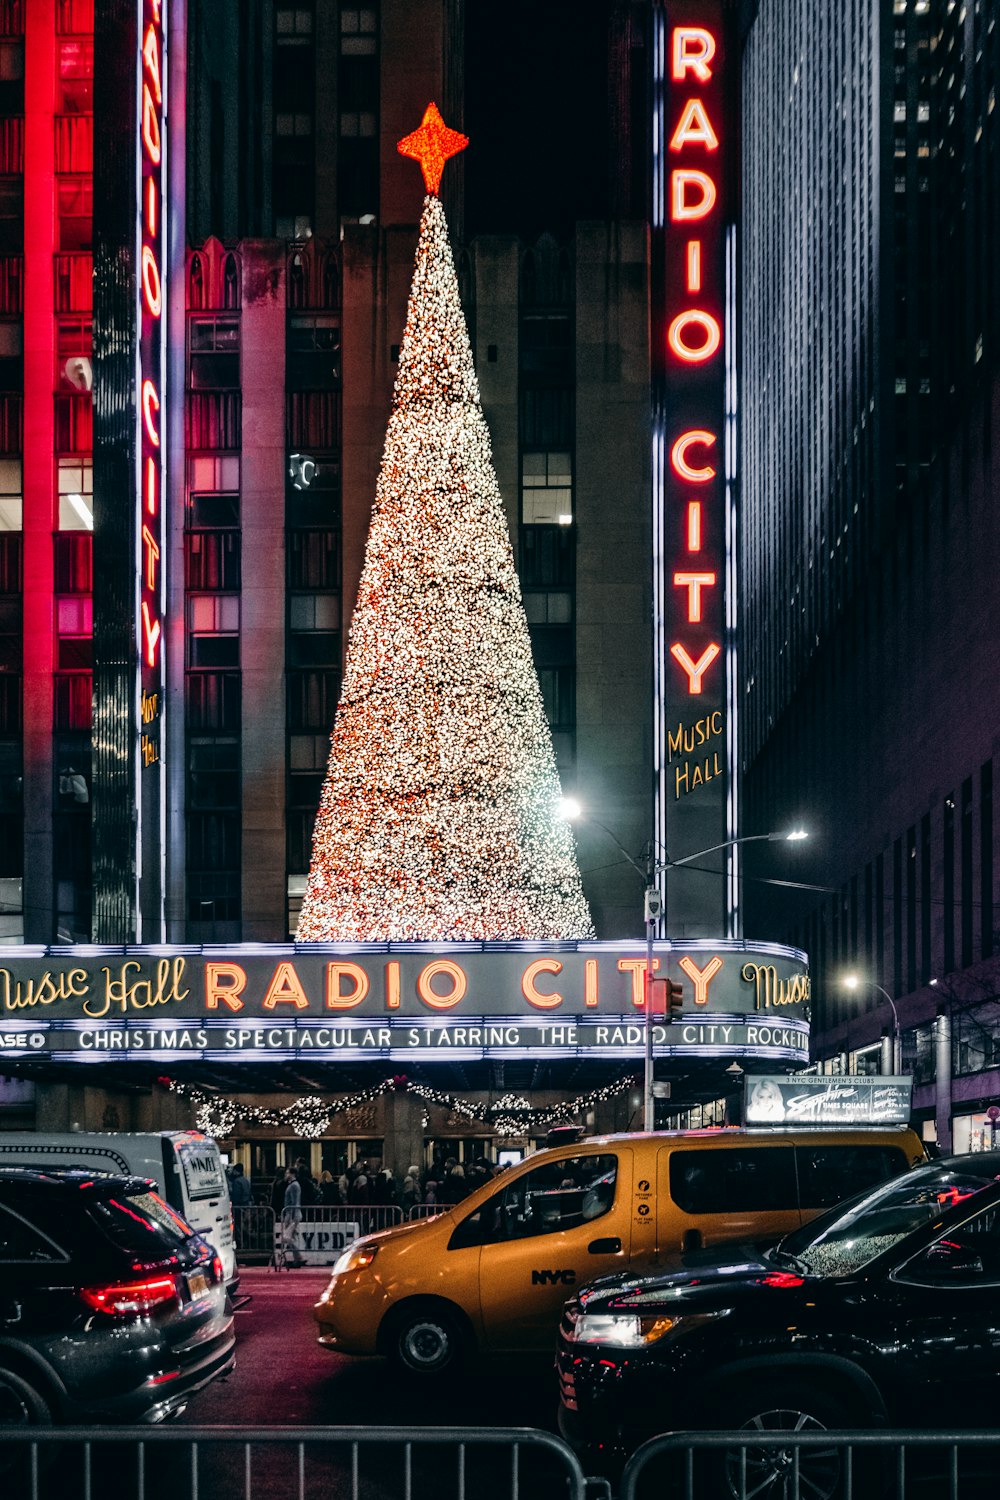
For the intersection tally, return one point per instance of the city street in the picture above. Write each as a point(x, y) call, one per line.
point(284, 1378)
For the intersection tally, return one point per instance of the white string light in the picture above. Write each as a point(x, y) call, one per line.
point(440, 814)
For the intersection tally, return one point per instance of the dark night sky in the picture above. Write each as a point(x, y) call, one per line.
point(536, 114)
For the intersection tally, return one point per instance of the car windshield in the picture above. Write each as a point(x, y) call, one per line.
point(848, 1237)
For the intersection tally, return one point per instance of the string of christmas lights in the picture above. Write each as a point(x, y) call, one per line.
point(308, 1117)
point(439, 816)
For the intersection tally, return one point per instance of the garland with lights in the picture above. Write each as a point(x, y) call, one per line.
point(440, 812)
point(308, 1117)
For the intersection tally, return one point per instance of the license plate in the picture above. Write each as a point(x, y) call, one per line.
point(198, 1284)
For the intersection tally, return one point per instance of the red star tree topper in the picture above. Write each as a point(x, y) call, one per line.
point(439, 817)
point(431, 145)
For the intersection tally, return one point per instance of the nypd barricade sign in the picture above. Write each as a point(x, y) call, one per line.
point(822, 1101)
point(315, 1242)
point(396, 1001)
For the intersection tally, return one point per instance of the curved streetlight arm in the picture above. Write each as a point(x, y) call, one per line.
point(639, 869)
point(747, 838)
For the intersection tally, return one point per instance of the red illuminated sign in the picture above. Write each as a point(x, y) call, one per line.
point(694, 337)
point(151, 312)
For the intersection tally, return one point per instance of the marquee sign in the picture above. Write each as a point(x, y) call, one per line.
point(400, 1000)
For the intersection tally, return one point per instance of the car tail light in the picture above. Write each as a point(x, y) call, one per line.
point(126, 1299)
point(216, 1268)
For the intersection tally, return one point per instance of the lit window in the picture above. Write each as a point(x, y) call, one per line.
point(293, 125)
point(11, 501)
point(293, 25)
point(546, 489)
point(76, 494)
point(214, 614)
point(357, 123)
point(211, 475)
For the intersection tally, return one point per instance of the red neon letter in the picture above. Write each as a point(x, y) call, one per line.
point(152, 474)
point(151, 282)
point(695, 669)
point(694, 525)
point(680, 181)
point(701, 978)
point(286, 988)
point(150, 126)
point(152, 553)
point(694, 266)
point(151, 57)
point(694, 583)
point(151, 214)
point(694, 128)
point(637, 968)
point(334, 999)
point(224, 982)
point(454, 973)
point(150, 402)
point(677, 336)
point(679, 459)
point(392, 985)
point(531, 994)
point(692, 50)
point(150, 633)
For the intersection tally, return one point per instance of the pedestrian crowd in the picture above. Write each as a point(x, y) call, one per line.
point(445, 1182)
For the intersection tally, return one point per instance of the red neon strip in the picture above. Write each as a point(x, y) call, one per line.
point(694, 265)
point(694, 526)
point(150, 400)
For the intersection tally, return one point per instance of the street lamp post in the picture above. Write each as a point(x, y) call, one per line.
point(654, 909)
point(853, 982)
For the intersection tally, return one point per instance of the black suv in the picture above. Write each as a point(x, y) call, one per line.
point(111, 1307)
point(883, 1311)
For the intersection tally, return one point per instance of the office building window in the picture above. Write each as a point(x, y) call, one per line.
point(986, 858)
point(546, 489)
point(357, 30)
point(11, 495)
point(76, 494)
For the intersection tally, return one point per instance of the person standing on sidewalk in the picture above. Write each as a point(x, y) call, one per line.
point(291, 1218)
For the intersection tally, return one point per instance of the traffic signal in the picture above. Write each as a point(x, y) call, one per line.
point(666, 998)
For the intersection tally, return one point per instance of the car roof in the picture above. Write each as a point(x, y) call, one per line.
point(57, 1179)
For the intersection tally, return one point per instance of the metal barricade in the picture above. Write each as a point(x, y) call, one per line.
point(253, 1226)
point(292, 1463)
point(323, 1231)
point(822, 1464)
point(427, 1210)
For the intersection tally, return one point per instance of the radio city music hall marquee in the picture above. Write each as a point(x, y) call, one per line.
point(396, 1001)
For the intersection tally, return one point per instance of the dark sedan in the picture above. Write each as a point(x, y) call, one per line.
point(111, 1307)
point(879, 1312)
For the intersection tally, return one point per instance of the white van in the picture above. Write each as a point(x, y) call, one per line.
point(184, 1164)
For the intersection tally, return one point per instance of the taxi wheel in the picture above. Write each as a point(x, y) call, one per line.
point(428, 1340)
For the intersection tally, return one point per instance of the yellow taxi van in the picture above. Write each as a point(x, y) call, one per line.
point(492, 1272)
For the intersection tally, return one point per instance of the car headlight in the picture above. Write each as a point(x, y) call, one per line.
point(354, 1259)
point(633, 1330)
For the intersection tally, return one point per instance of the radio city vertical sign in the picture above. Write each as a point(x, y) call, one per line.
point(130, 480)
point(150, 318)
point(693, 531)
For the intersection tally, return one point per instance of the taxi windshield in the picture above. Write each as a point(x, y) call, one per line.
point(850, 1236)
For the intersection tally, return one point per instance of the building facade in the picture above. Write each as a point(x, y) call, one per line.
point(871, 400)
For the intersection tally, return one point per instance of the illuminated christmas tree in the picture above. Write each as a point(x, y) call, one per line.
point(440, 817)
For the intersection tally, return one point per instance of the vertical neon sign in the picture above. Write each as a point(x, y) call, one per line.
point(691, 464)
point(150, 318)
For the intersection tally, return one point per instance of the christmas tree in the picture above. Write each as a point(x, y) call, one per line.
point(440, 816)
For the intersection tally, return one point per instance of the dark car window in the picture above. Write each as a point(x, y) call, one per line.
point(829, 1174)
point(715, 1182)
point(965, 1256)
point(21, 1243)
point(846, 1238)
point(140, 1222)
point(557, 1196)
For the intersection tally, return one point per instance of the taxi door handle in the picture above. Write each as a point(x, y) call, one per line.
point(604, 1247)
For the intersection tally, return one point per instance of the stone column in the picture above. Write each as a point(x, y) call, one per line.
point(942, 1081)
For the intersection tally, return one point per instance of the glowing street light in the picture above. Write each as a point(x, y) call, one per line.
point(854, 982)
point(655, 908)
